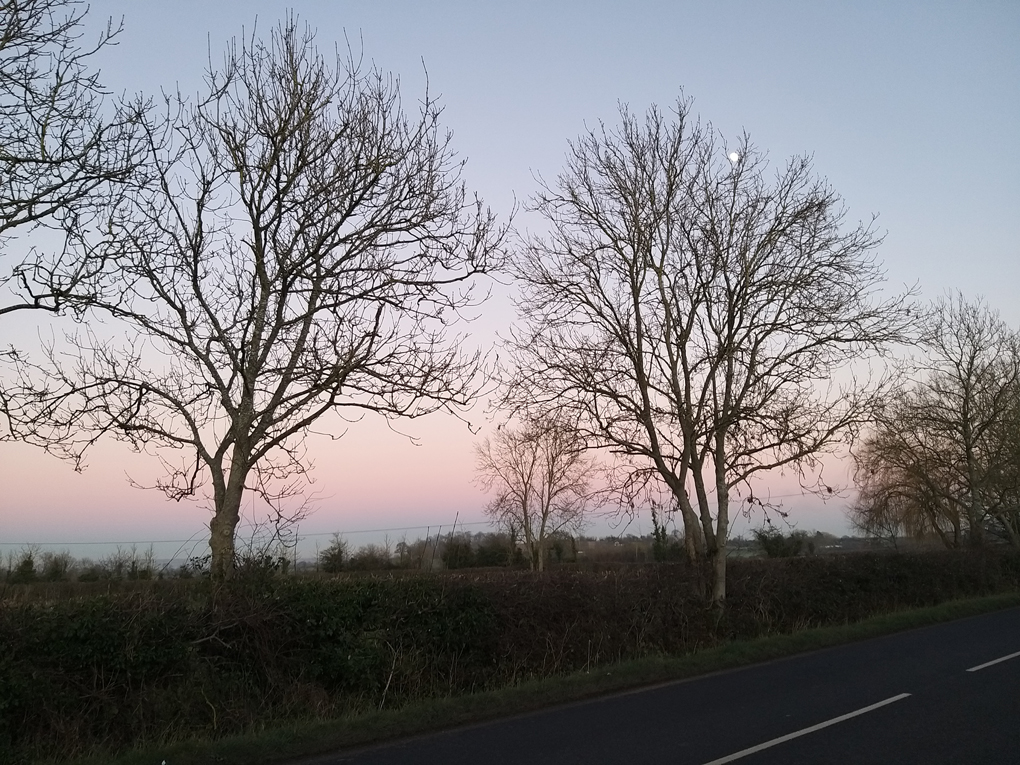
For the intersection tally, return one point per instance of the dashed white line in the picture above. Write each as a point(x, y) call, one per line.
point(805, 731)
point(994, 661)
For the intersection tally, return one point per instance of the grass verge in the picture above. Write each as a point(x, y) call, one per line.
point(305, 740)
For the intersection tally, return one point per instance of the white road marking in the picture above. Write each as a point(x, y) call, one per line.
point(994, 661)
point(805, 731)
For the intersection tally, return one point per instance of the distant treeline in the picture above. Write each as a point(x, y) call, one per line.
point(456, 551)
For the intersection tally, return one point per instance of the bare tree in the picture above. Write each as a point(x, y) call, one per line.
point(946, 443)
point(902, 498)
point(540, 475)
point(305, 248)
point(693, 313)
point(63, 153)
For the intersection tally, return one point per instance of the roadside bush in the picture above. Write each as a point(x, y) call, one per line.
point(259, 566)
point(197, 566)
point(457, 553)
point(23, 571)
point(332, 559)
point(370, 558)
point(775, 544)
point(56, 567)
point(666, 545)
point(119, 566)
point(90, 571)
point(497, 550)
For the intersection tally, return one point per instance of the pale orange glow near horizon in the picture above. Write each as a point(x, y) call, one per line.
point(371, 478)
point(369, 475)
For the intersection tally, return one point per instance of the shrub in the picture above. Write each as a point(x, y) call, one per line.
point(332, 559)
point(23, 572)
point(457, 553)
point(775, 544)
point(56, 567)
point(666, 546)
point(370, 558)
point(195, 566)
point(497, 550)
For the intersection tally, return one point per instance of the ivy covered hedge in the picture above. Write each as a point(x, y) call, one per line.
point(104, 672)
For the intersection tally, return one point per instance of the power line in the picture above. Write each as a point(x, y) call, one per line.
point(459, 524)
point(396, 528)
point(133, 542)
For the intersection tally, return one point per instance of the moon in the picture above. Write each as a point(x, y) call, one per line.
point(734, 157)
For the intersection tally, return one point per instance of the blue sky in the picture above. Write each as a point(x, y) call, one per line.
point(911, 110)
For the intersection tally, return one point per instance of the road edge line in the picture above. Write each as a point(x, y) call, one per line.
point(994, 661)
point(805, 731)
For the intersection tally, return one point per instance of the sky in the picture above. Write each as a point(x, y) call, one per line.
point(911, 110)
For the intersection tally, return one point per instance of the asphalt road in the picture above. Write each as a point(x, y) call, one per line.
point(923, 696)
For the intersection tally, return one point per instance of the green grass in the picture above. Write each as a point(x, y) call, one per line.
point(292, 742)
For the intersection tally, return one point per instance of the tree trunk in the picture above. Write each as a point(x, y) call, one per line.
point(722, 526)
point(975, 521)
point(226, 514)
point(1009, 526)
point(718, 558)
point(719, 578)
point(694, 540)
point(950, 544)
point(975, 507)
point(704, 509)
point(1013, 529)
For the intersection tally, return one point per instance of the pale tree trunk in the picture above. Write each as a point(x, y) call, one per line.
point(541, 536)
point(529, 540)
point(708, 534)
point(950, 545)
point(694, 540)
point(1011, 531)
point(719, 551)
point(534, 555)
point(975, 510)
point(975, 514)
point(714, 535)
point(722, 525)
point(226, 514)
point(221, 535)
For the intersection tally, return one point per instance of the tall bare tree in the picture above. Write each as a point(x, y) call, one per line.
point(305, 248)
point(694, 312)
point(64, 151)
point(541, 478)
point(897, 497)
point(946, 442)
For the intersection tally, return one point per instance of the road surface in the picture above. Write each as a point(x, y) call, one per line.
point(943, 694)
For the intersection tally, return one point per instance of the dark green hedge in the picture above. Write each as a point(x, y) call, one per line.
point(79, 675)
